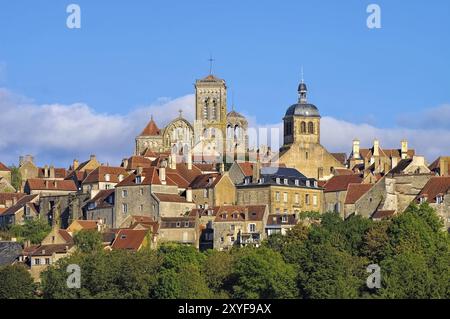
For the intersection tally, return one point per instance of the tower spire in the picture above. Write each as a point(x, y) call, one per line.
point(303, 80)
point(211, 60)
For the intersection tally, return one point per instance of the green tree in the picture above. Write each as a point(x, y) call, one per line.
point(34, 230)
point(16, 177)
point(16, 283)
point(88, 241)
point(217, 270)
point(262, 273)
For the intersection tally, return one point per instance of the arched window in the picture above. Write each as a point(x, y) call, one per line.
point(303, 127)
point(237, 132)
point(213, 110)
point(206, 109)
point(229, 131)
point(311, 128)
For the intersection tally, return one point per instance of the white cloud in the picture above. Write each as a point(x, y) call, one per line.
point(57, 133)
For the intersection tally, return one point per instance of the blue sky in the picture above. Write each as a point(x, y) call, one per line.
point(128, 54)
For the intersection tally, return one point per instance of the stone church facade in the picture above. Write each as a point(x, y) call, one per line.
point(301, 148)
point(214, 133)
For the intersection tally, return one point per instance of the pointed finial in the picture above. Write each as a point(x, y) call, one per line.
point(232, 100)
point(181, 112)
point(303, 80)
point(151, 117)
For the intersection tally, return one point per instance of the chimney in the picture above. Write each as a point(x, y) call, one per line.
point(46, 175)
point(162, 174)
point(404, 149)
point(189, 195)
point(52, 171)
point(394, 162)
point(139, 170)
point(75, 164)
point(356, 154)
point(256, 171)
point(125, 163)
point(376, 148)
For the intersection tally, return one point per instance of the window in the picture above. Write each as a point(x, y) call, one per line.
point(303, 127)
point(124, 193)
point(221, 239)
point(284, 219)
point(141, 191)
point(278, 180)
point(311, 128)
point(297, 182)
point(232, 228)
point(37, 261)
point(231, 239)
point(422, 200)
point(252, 228)
point(107, 186)
point(205, 192)
point(124, 208)
point(107, 178)
point(315, 183)
point(47, 261)
point(307, 199)
point(277, 196)
point(178, 224)
point(120, 177)
point(286, 181)
point(306, 155)
point(315, 200)
point(308, 183)
point(186, 224)
point(138, 179)
point(285, 197)
point(439, 199)
point(297, 199)
point(141, 207)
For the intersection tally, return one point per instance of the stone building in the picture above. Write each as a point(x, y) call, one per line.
point(353, 194)
point(375, 160)
point(45, 187)
point(169, 205)
point(284, 190)
point(441, 166)
point(101, 207)
point(280, 223)
point(5, 172)
point(335, 191)
point(213, 132)
point(301, 147)
point(241, 225)
point(213, 189)
point(396, 190)
point(22, 208)
point(437, 194)
point(181, 229)
point(103, 178)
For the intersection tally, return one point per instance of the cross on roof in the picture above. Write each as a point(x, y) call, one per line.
point(211, 60)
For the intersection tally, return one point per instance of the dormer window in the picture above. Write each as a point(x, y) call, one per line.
point(315, 183)
point(423, 199)
point(297, 182)
point(120, 177)
point(138, 179)
point(439, 199)
point(278, 180)
point(286, 181)
point(308, 183)
point(178, 224)
point(284, 219)
point(107, 177)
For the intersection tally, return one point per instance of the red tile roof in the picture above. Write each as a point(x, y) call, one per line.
point(277, 219)
point(382, 214)
point(59, 172)
point(435, 186)
point(206, 181)
point(20, 203)
point(99, 174)
point(4, 197)
point(150, 177)
point(340, 182)
point(49, 250)
point(138, 161)
point(3, 167)
point(66, 236)
point(340, 157)
point(57, 185)
point(151, 129)
point(100, 199)
point(355, 191)
point(238, 213)
point(343, 171)
point(129, 239)
point(246, 168)
point(174, 198)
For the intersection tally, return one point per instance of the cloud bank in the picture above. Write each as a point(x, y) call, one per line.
point(58, 133)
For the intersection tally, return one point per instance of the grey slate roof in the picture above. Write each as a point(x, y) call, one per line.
point(9, 252)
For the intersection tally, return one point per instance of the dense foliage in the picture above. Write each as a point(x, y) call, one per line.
point(34, 230)
point(321, 260)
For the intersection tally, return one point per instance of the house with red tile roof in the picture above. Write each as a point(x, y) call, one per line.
point(437, 194)
point(49, 187)
point(280, 223)
point(354, 192)
point(181, 229)
point(103, 178)
point(101, 208)
point(239, 226)
point(335, 191)
point(131, 239)
point(5, 173)
point(23, 208)
point(213, 190)
point(441, 166)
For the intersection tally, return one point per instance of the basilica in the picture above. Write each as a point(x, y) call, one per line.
point(215, 131)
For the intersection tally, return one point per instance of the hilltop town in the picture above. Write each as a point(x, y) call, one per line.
point(199, 184)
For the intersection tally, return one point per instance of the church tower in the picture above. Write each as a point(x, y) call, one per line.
point(211, 110)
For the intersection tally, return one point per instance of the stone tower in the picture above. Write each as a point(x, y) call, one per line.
point(211, 111)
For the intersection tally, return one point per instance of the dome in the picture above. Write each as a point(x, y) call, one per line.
point(235, 114)
point(303, 109)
